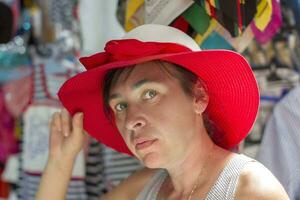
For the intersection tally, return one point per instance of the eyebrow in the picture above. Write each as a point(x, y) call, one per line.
point(134, 87)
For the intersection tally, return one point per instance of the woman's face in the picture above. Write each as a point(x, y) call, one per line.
point(153, 114)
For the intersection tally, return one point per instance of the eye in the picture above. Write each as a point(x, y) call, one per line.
point(120, 107)
point(149, 94)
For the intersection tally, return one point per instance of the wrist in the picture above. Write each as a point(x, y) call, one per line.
point(63, 166)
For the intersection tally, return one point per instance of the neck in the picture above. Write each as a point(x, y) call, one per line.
point(185, 173)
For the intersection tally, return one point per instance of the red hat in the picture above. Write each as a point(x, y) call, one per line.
point(231, 85)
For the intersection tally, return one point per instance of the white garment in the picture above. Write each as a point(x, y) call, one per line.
point(36, 140)
point(98, 24)
point(164, 11)
point(11, 171)
point(280, 145)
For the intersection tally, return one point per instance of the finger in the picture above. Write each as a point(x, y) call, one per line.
point(55, 128)
point(57, 121)
point(77, 123)
point(66, 122)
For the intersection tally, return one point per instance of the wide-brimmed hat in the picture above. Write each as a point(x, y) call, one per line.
point(230, 83)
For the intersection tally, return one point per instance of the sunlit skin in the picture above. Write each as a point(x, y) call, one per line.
point(151, 104)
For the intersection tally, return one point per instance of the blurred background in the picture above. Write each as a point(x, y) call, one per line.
point(41, 41)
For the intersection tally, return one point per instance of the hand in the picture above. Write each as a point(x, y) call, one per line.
point(66, 136)
point(66, 140)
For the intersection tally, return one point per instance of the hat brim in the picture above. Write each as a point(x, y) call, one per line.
point(231, 85)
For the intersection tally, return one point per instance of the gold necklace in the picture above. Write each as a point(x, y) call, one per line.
point(202, 169)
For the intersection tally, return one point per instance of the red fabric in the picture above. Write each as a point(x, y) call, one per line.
point(19, 93)
point(8, 144)
point(117, 50)
point(181, 24)
point(240, 20)
point(232, 88)
point(4, 187)
point(212, 10)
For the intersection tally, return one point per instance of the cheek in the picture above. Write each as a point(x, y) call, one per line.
point(120, 126)
point(124, 134)
point(178, 108)
point(177, 118)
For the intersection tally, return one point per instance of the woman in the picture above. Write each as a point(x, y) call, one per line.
point(179, 110)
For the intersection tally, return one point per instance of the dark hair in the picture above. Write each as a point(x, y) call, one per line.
point(187, 80)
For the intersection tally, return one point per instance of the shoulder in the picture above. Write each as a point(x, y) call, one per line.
point(131, 186)
point(257, 182)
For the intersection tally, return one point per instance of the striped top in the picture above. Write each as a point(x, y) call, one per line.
point(224, 187)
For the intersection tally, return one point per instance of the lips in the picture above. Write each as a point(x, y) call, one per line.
point(143, 143)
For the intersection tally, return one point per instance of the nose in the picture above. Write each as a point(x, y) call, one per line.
point(134, 120)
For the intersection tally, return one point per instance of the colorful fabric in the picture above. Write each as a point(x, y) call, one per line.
point(8, 144)
point(235, 16)
point(263, 36)
point(263, 14)
point(132, 19)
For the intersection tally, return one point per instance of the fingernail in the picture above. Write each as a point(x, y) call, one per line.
point(66, 134)
point(80, 114)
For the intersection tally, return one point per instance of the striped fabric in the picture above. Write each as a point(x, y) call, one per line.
point(95, 186)
point(106, 168)
point(34, 147)
point(224, 187)
point(29, 184)
point(118, 166)
point(280, 145)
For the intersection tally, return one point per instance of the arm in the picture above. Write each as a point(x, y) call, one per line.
point(66, 140)
point(257, 182)
point(55, 180)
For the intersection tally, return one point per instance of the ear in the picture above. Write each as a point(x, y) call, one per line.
point(200, 97)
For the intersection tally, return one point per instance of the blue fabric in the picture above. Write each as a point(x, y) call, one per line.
point(280, 146)
point(215, 41)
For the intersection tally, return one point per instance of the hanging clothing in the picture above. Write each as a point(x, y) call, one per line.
point(106, 168)
point(280, 147)
point(37, 112)
point(118, 166)
point(62, 13)
point(294, 5)
point(235, 16)
point(95, 184)
point(100, 18)
point(164, 11)
point(196, 16)
point(17, 95)
point(29, 183)
point(134, 14)
point(8, 144)
point(263, 36)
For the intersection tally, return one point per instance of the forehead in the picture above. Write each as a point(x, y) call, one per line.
point(152, 71)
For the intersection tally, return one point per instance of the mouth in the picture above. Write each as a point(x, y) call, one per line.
point(143, 144)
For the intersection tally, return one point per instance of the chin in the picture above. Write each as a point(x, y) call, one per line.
point(151, 160)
